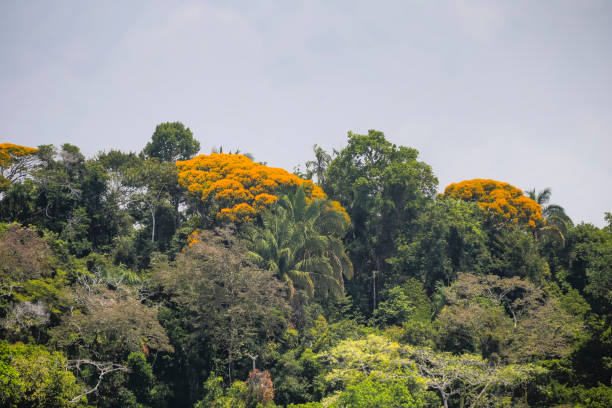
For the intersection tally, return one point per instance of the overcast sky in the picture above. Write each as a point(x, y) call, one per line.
point(518, 91)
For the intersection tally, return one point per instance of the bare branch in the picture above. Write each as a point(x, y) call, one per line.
point(103, 367)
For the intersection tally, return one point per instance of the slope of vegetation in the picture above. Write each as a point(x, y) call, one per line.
point(170, 279)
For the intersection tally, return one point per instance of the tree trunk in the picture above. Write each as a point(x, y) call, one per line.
point(373, 291)
point(253, 358)
point(152, 224)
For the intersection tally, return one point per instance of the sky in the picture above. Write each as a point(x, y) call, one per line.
point(517, 91)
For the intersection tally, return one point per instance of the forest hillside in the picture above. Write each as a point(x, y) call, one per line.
point(168, 278)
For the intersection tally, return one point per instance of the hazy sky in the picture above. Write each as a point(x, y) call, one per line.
point(518, 91)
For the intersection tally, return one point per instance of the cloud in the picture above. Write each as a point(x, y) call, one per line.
point(482, 19)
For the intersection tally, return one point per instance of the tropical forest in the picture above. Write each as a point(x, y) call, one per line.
point(168, 278)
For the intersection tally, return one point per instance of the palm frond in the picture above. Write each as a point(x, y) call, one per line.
point(302, 280)
point(544, 196)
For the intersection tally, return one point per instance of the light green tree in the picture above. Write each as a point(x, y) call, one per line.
point(31, 376)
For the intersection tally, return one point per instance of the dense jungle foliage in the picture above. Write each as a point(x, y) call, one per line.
point(169, 279)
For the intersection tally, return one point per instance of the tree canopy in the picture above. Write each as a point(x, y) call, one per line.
point(172, 141)
point(238, 187)
point(159, 279)
point(502, 200)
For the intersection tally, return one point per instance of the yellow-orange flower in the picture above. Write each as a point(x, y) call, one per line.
point(500, 199)
point(241, 187)
point(12, 160)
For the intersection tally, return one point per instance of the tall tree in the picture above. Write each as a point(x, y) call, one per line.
point(510, 318)
point(318, 166)
point(172, 141)
point(384, 188)
point(153, 181)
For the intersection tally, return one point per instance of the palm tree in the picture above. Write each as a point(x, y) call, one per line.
point(318, 166)
point(557, 221)
point(301, 242)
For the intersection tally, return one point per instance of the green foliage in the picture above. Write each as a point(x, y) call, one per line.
point(30, 376)
point(301, 243)
point(370, 393)
point(403, 303)
point(515, 253)
point(215, 396)
point(450, 238)
point(170, 142)
point(384, 188)
point(318, 166)
point(108, 297)
point(235, 304)
point(141, 378)
point(504, 317)
point(154, 183)
point(306, 405)
point(596, 397)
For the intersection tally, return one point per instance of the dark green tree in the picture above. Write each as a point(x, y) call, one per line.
point(384, 188)
point(450, 237)
point(172, 141)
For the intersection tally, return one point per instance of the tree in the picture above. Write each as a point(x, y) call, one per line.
point(355, 360)
point(236, 305)
point(301, 243)
point(403, 303)
point(589, 265)
point(232, 187)
point(318, 166)
point(548, 210)
point(31, 376)
point(170, 142)
point(469, 377)
point(450, 237)
point(514, 252)
point(504, 202)
point(384, 188)
point(23, 256)
point(261, 388)
point(376, 358)
point(15, 163)
point(216, 397)
point(557, 222)
point(510, 318)
point(374, 394)
point(152, 182)
point(108, 324)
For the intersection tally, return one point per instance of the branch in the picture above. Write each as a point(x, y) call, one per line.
point(104, 367)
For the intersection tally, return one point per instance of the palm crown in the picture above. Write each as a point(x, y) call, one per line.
point(301, 242)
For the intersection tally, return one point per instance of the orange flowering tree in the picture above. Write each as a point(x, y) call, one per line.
point(504, 201)
point(238, 188)
point(15, 161)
